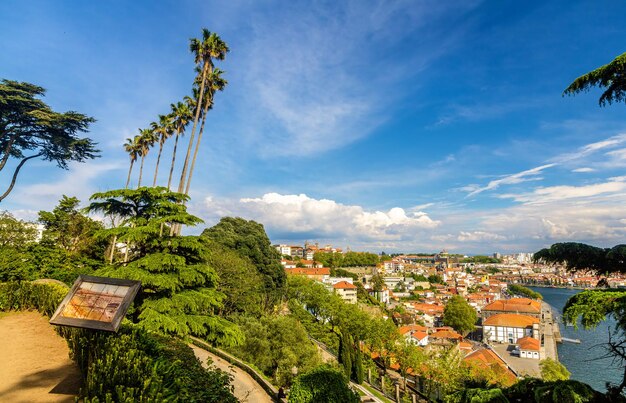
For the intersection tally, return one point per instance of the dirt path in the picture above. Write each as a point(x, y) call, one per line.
point(246, 388)
point(34, 362)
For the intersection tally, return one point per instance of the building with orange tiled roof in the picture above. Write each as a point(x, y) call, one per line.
point(522, 306)
point(465, 347)
point(487, 359)
point(347, 291)
point(529, 347)
point(509, 327)
point(445, 338)
point(313, 273)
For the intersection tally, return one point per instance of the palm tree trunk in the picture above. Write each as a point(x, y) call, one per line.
point(141, 171)
point(169, 180)
point(130, 170)
point(195, 152)
point(156, 171)
point(181, 184)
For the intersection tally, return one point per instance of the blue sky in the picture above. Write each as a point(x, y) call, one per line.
point(396, 126)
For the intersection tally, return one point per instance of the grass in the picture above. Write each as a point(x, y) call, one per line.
point(376, 393)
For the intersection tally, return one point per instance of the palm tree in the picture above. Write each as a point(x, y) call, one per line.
point(611, 76)
point(163, 130)
point(181, 116)
point(145, 140)
point(215, 83)
point(210, 47)
point(133, 152)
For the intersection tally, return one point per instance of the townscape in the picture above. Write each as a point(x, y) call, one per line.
point(461, 238)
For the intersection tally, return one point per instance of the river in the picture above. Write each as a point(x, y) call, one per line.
point(582, 359)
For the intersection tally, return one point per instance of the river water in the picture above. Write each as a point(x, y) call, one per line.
point(582, 360)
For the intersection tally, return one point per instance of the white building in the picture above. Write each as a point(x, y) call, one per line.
point(283, 249)
point(346, 291)
point(529, 348)
point(510, 327)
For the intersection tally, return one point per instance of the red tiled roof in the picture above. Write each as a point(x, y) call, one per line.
point(515, 305)
point(412, 328)
point(314, 271)
point(446, 334)
point(510, 319)
point(528, 343)
point(488, 359)
point(344, 285)
point(419, 335)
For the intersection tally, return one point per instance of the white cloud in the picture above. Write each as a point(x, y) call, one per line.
point(524, 176)
point(81, 181)
point(564, 192)
point(479, 236)
point(312, 90)
point(583, 170)
point(591, 148)
point(301, 215)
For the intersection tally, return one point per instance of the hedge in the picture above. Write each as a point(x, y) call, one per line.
point(130, 366)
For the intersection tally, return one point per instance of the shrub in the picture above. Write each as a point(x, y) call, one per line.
point(322, 384)
point(44, 297)
point(130, 366)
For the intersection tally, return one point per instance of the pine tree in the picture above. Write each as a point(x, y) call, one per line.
point(346, 353)
point(179, 294)
point(357, 366)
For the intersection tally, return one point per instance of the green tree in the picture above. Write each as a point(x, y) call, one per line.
point(66, 227)
point(322, 384)
point(517, 289)
point(435, 279)
point(205, 50)
point(552, 370)
point(460, 315)
point(163, 131)
point(145, 140)
point(277, 346)
point(30, 129)
point(179, 294)
point(16, 236)
point(409, 356)
point(238, 280)
point(249, 239)
point(15, 233)
point(215, 82)
point(611, 77)
point(346, 353)
point(181, 115)
point(378, 283)
point(133, 149)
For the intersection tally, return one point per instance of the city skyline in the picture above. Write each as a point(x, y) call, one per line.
point(396, 127)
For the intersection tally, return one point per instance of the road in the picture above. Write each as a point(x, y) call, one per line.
point(246, 388)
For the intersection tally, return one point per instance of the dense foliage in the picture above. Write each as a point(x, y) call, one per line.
point(348, 259)
point(250, 241)
point(179, 294)
point(278, 346)
point(323, 384)
point(552, 370)
point(137, 366)
point(482, 259)
point(460, 315)
point(611, 77)
point(68, 245)
point(580, 256)
point(132, 365)
point(30, 129)
point(516, 289)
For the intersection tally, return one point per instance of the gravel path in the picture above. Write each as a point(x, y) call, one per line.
point(34, 362)
point(246, 388)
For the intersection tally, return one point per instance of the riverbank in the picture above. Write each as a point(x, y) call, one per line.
point(582, 360)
